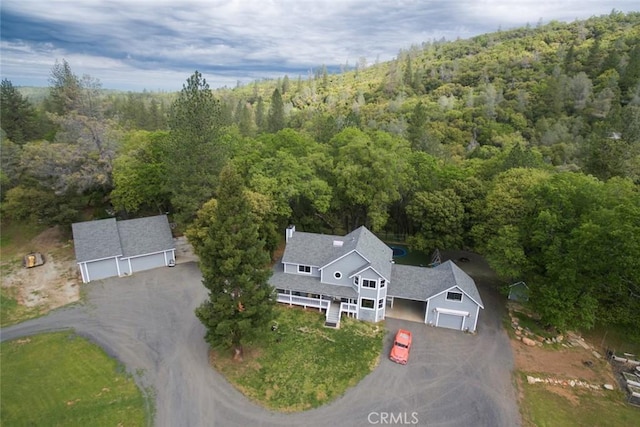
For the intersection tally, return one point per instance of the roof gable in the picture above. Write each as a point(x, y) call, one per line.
point(463, 281)
point(422, 283)
point(94, 240)
point(145, 235)
point(106, 238)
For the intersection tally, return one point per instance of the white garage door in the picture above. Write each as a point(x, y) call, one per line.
point(451, 321)
point(102, 269)
point(147, 262)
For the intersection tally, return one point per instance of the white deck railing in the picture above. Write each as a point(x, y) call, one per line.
point(348, 308)
point(303, 301)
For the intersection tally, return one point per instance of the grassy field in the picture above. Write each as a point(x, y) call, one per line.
point(10, 311)
point(61, 379)
point(303, 364)
point(544, 408)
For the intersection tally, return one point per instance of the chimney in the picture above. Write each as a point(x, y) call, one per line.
point(289, 232)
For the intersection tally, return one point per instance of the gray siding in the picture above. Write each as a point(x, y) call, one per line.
point(293, 269)
point(102, 269)
point(366, 314)
point(346, 266)
point(376, 294)
point(448, 320)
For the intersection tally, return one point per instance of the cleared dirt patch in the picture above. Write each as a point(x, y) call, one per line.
point(565, 363)
point(43, 288)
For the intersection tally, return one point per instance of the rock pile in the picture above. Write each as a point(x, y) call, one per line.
point(566, 383)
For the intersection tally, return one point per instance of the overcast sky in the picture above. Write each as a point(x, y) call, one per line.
point(157, 44)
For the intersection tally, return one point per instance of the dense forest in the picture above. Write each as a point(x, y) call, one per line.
point(522, 145)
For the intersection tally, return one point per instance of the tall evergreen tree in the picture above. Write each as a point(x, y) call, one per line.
point(275, 120)
point(260, 116)
point(235, 267)
point(65, 90)
point(17, 116)
point(196, 154)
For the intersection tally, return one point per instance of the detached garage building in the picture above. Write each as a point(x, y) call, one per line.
point(110, 248)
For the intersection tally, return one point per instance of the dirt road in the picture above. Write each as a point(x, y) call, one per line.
point(147, 322)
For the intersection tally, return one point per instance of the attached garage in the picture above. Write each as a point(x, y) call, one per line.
point(452, 299)
point(110, 248)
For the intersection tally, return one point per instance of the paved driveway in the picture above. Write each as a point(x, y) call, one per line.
point(147, 322)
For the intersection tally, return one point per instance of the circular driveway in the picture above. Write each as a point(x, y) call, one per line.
point(147, 322)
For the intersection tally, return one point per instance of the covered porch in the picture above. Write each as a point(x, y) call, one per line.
point(334, 306)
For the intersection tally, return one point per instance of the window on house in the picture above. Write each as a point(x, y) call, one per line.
point(356, 280)
point(366, 283)
point(304, 269)
point(454, 296)
point(380, 303)
point(337, 275)
point(383, 283)
point(367, 303)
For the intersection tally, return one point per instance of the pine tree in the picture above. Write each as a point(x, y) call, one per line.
point(17, 115)
point(235, 268)
point(197, 155)
point(275, 121)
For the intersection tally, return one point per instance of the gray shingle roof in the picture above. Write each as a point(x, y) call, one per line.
point(375, 250)
point(311, 249)
point(300, 283)
point(96, 239)
point(421, 283)
point(145, 235)
point(107, 238)
point(319, 250)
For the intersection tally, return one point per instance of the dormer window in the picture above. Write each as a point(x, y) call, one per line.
point(366, 283)
point(306, 269)
point(454, 296)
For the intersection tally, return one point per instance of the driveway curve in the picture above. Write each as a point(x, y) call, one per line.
point(147, 322)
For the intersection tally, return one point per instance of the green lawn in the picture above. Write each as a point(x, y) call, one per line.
point(303, 364)
point(543, 408)
point(61, 379)
point(10, 311)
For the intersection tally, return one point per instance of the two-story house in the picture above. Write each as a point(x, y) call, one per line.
point(355, 274)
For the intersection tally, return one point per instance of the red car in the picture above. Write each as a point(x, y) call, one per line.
point(401, 347)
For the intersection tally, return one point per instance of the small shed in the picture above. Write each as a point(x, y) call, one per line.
point(519, 292)
point(109, 248)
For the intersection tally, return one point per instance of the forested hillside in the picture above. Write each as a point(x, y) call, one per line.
point(523, 145)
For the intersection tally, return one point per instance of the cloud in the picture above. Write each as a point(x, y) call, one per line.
point(158, 44)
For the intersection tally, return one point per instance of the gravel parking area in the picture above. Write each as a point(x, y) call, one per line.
point(147, 321)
